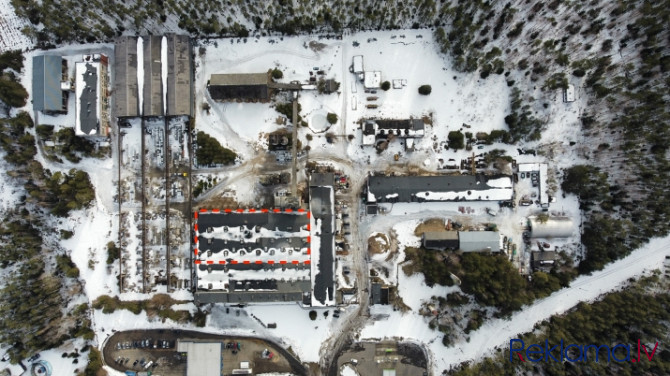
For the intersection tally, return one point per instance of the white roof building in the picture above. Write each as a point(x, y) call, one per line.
point(358, 64)
point(569, 94)
point(372, 80)
point(553, 227)
point(203, 359)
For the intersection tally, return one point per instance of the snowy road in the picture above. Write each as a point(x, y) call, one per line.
point(586, 288)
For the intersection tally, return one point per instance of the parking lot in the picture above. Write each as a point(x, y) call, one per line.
point(155, 350)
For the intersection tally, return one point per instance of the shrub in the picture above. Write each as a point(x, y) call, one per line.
point(277, 74)
point(312, 315)
point(425, 89)
point(386, 85)
point(332, 118)
point(456, 140)
point(112, 252)
point(65, 264)
point(210, 151)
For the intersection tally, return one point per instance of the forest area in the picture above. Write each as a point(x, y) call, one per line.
point(617, 52)
point(608, 321)
point(39, 279)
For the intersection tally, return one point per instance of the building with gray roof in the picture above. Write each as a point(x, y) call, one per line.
point(439, 188)
point(47, 75)
point(179, 79)
point(126, 103)
point(479, 241)
point(153, 79)
point(239, 86)
point(322, 207)
point(252, 256)
point(440, 240)
point(91, 93)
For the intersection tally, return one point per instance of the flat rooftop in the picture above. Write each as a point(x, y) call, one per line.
point(203, 359)
point(252, 255)
point(439, 188)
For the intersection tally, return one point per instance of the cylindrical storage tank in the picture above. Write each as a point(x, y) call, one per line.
point(553, 227)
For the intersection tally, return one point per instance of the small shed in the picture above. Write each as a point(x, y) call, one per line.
point(543, 260)
point(552, 227)
point(440, 240)
point(358, 64)
point(569, 94)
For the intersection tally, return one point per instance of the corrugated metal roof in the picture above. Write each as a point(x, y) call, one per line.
point(441, 235)
point(47, 73)
point(179, 85)
point(239, 79)
point(473, 241)
point(152, 100)
point(125, 98)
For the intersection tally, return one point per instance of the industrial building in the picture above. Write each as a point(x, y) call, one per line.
point(245, 256)
point(407, 129)
point(479, 241)
point(126, 102)
point(383, 189)
point(152, 96)
point(551, 227)
point(440, 240)
point(322, 208)
point(248, 87)
point(179, 85)
point(92, 98)
point(252, 256)
point(202, 358)
point(49, 75)
point(466, 241)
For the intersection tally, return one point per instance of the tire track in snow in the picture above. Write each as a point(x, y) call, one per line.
point(588, 288)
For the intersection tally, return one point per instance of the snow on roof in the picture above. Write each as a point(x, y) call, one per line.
point(502, 182)
point(87, 94)
point(373, 79)
point(569, 93)
point(358, 64)
point(553, 227)
point(322, 225)
point(251, 246)
point(441, 188)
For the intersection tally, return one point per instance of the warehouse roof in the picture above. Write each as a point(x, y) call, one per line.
point(203, 359)
point(179, 90)
point(234, 79)
point(439, 188)
point(47, 73)
point(125, 77)
point(474, 241)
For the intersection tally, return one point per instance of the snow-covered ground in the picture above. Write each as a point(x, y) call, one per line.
point(497, 333)
point(11, 37)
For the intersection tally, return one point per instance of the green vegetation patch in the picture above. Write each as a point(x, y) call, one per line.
point(210, 152)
